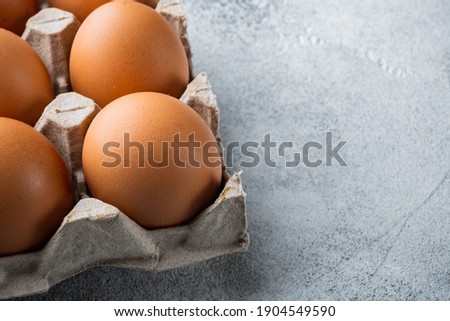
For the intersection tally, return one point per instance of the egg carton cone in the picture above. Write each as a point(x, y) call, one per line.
point(98, 234)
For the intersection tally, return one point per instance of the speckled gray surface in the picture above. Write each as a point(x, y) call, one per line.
point(376, 74)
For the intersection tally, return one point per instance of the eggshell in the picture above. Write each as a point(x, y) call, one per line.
point(15, 13)
point(121, 173)
point(35, 188)
point(83, 8)
point(25, 85)
point(80, 8)
point(151, 3)
point(126, 47)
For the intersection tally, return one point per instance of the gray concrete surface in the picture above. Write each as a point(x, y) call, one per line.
point(374, 73)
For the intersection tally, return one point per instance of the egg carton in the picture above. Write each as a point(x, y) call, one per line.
point(95, 233)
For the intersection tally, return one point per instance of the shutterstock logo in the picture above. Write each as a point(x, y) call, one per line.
point(178, 152)
point(190, 152)
point(267, 151)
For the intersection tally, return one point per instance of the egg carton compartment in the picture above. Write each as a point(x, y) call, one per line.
point(95, 233)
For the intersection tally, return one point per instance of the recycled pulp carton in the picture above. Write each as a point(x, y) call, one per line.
point(95, 233)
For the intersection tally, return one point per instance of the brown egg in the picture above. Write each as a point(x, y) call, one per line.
point(35, 188)
point(14, 14)
point(83, 8)
point(126, 47)
point(25, 85)
point(131, 159)
point(80, 8)
point(151, 3)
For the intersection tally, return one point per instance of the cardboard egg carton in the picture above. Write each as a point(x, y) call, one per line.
point(95, 233)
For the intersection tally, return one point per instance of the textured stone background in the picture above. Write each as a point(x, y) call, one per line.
point(375, 73)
